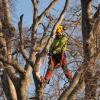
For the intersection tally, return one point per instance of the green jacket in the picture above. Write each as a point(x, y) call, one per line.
point(59, 44)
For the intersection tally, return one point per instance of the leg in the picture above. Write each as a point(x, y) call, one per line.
point(42, 81)
point(49, 73)
point(67, 72)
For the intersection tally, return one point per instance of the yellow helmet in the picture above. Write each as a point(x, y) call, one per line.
point(59, 29)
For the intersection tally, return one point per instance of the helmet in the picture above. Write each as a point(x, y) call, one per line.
point(59, 29)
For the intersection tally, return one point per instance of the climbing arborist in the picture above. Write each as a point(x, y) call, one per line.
point(57, 57)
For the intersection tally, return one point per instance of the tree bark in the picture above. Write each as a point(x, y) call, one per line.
point(9, 88)
point(90, 92)
point(23, 88)
point(6, 32)
point(70, 88)
point(79, 87)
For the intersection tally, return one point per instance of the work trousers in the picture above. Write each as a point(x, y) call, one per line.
point(56, 61)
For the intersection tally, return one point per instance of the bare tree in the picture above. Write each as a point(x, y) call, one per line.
point(32, 49)
point(90, 50)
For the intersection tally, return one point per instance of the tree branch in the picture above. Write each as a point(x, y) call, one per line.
point(22, 38)
point(80, 86)
point(70, 88)
point(12, 63)
point(9, 87)
point(47, 10)
point(35, 6)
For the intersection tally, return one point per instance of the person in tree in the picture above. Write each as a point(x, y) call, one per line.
point(57, 57)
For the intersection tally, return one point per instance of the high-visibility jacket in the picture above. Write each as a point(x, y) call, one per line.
point(59, 44)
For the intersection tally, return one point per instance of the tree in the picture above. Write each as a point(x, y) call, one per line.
point(90, 49)
point(32, 49)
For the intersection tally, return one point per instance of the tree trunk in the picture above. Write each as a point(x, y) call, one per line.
point(6, 9)
point(90, 92)
point(9, 88)
point(1, 10)
point(79, 87)
point(23, 89)
point(6, 27)
point(24, 84)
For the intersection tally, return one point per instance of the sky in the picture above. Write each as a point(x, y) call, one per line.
point(25, 7)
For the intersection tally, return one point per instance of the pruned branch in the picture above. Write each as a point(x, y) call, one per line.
point(21, 44)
